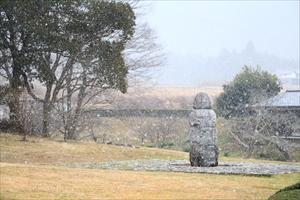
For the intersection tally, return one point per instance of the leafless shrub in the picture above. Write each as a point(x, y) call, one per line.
point(261, 134)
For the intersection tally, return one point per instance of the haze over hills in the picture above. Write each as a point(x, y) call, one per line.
point(208, 42)
point(191, 70)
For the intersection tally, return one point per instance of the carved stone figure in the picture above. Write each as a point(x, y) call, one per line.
point(203, 133)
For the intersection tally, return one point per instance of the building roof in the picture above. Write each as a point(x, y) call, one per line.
point(289, 98)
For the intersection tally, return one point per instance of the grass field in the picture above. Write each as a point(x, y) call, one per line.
point(48, 152)
point(43, 182)
point(179, 91)
point(33, 170)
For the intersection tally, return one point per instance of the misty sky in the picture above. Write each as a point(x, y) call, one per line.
point(194, 34)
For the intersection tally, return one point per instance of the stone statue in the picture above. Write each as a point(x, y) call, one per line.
point(203, 133)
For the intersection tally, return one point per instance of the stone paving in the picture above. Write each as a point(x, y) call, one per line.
point(184, 166)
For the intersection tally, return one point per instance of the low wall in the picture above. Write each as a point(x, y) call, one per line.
point(137, 112)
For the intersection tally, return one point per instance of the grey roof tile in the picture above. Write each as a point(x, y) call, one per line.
point(290, 98)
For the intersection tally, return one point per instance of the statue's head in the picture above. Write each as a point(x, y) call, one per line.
point(202, 101)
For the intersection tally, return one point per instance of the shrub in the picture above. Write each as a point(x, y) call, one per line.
point(248, 87)
point(289, 193)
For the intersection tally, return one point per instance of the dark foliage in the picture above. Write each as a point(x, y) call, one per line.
point(247, 88)
point(289, 193)
point(65, 45)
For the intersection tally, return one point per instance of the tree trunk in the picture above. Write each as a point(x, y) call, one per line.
point(15, 115)
point(142, 140)
point(14, 101)
point(157, 139)
point(68, 112)
point(73, 119)
point(47, 107)
point(46, 118)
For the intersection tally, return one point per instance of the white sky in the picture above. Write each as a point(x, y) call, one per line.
point(190, 29)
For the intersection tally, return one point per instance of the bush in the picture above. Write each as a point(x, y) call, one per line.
point(4, 94)
point(186, 147)
point(258, 136)
point(5, 125)
point(166, 145)
point(247, 88)
point(289, 193)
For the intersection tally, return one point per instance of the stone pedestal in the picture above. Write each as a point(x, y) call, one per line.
point(203, 133)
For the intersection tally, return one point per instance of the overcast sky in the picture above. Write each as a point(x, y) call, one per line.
point(195, 30)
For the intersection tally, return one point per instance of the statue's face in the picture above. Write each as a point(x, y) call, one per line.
point(202, 101)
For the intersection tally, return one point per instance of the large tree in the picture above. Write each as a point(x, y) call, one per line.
point(66, 46)
point(16, 38)
point(248, 87)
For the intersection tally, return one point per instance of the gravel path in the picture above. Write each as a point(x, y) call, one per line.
point(184, 166)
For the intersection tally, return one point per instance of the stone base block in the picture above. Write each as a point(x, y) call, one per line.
point(204, 155)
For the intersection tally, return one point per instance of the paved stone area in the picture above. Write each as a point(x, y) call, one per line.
point(184, 166)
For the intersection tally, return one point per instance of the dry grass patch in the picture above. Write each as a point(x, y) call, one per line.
point(182, 91)
point(36, 181)
point(45, 151)
point(49, 152)
point(19, 181)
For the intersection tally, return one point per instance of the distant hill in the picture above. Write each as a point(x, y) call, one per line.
point(192, 70)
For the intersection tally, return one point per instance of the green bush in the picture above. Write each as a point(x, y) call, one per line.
point(248, 87)
point(166, 145)
point(186, 148)
point(289, 193)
